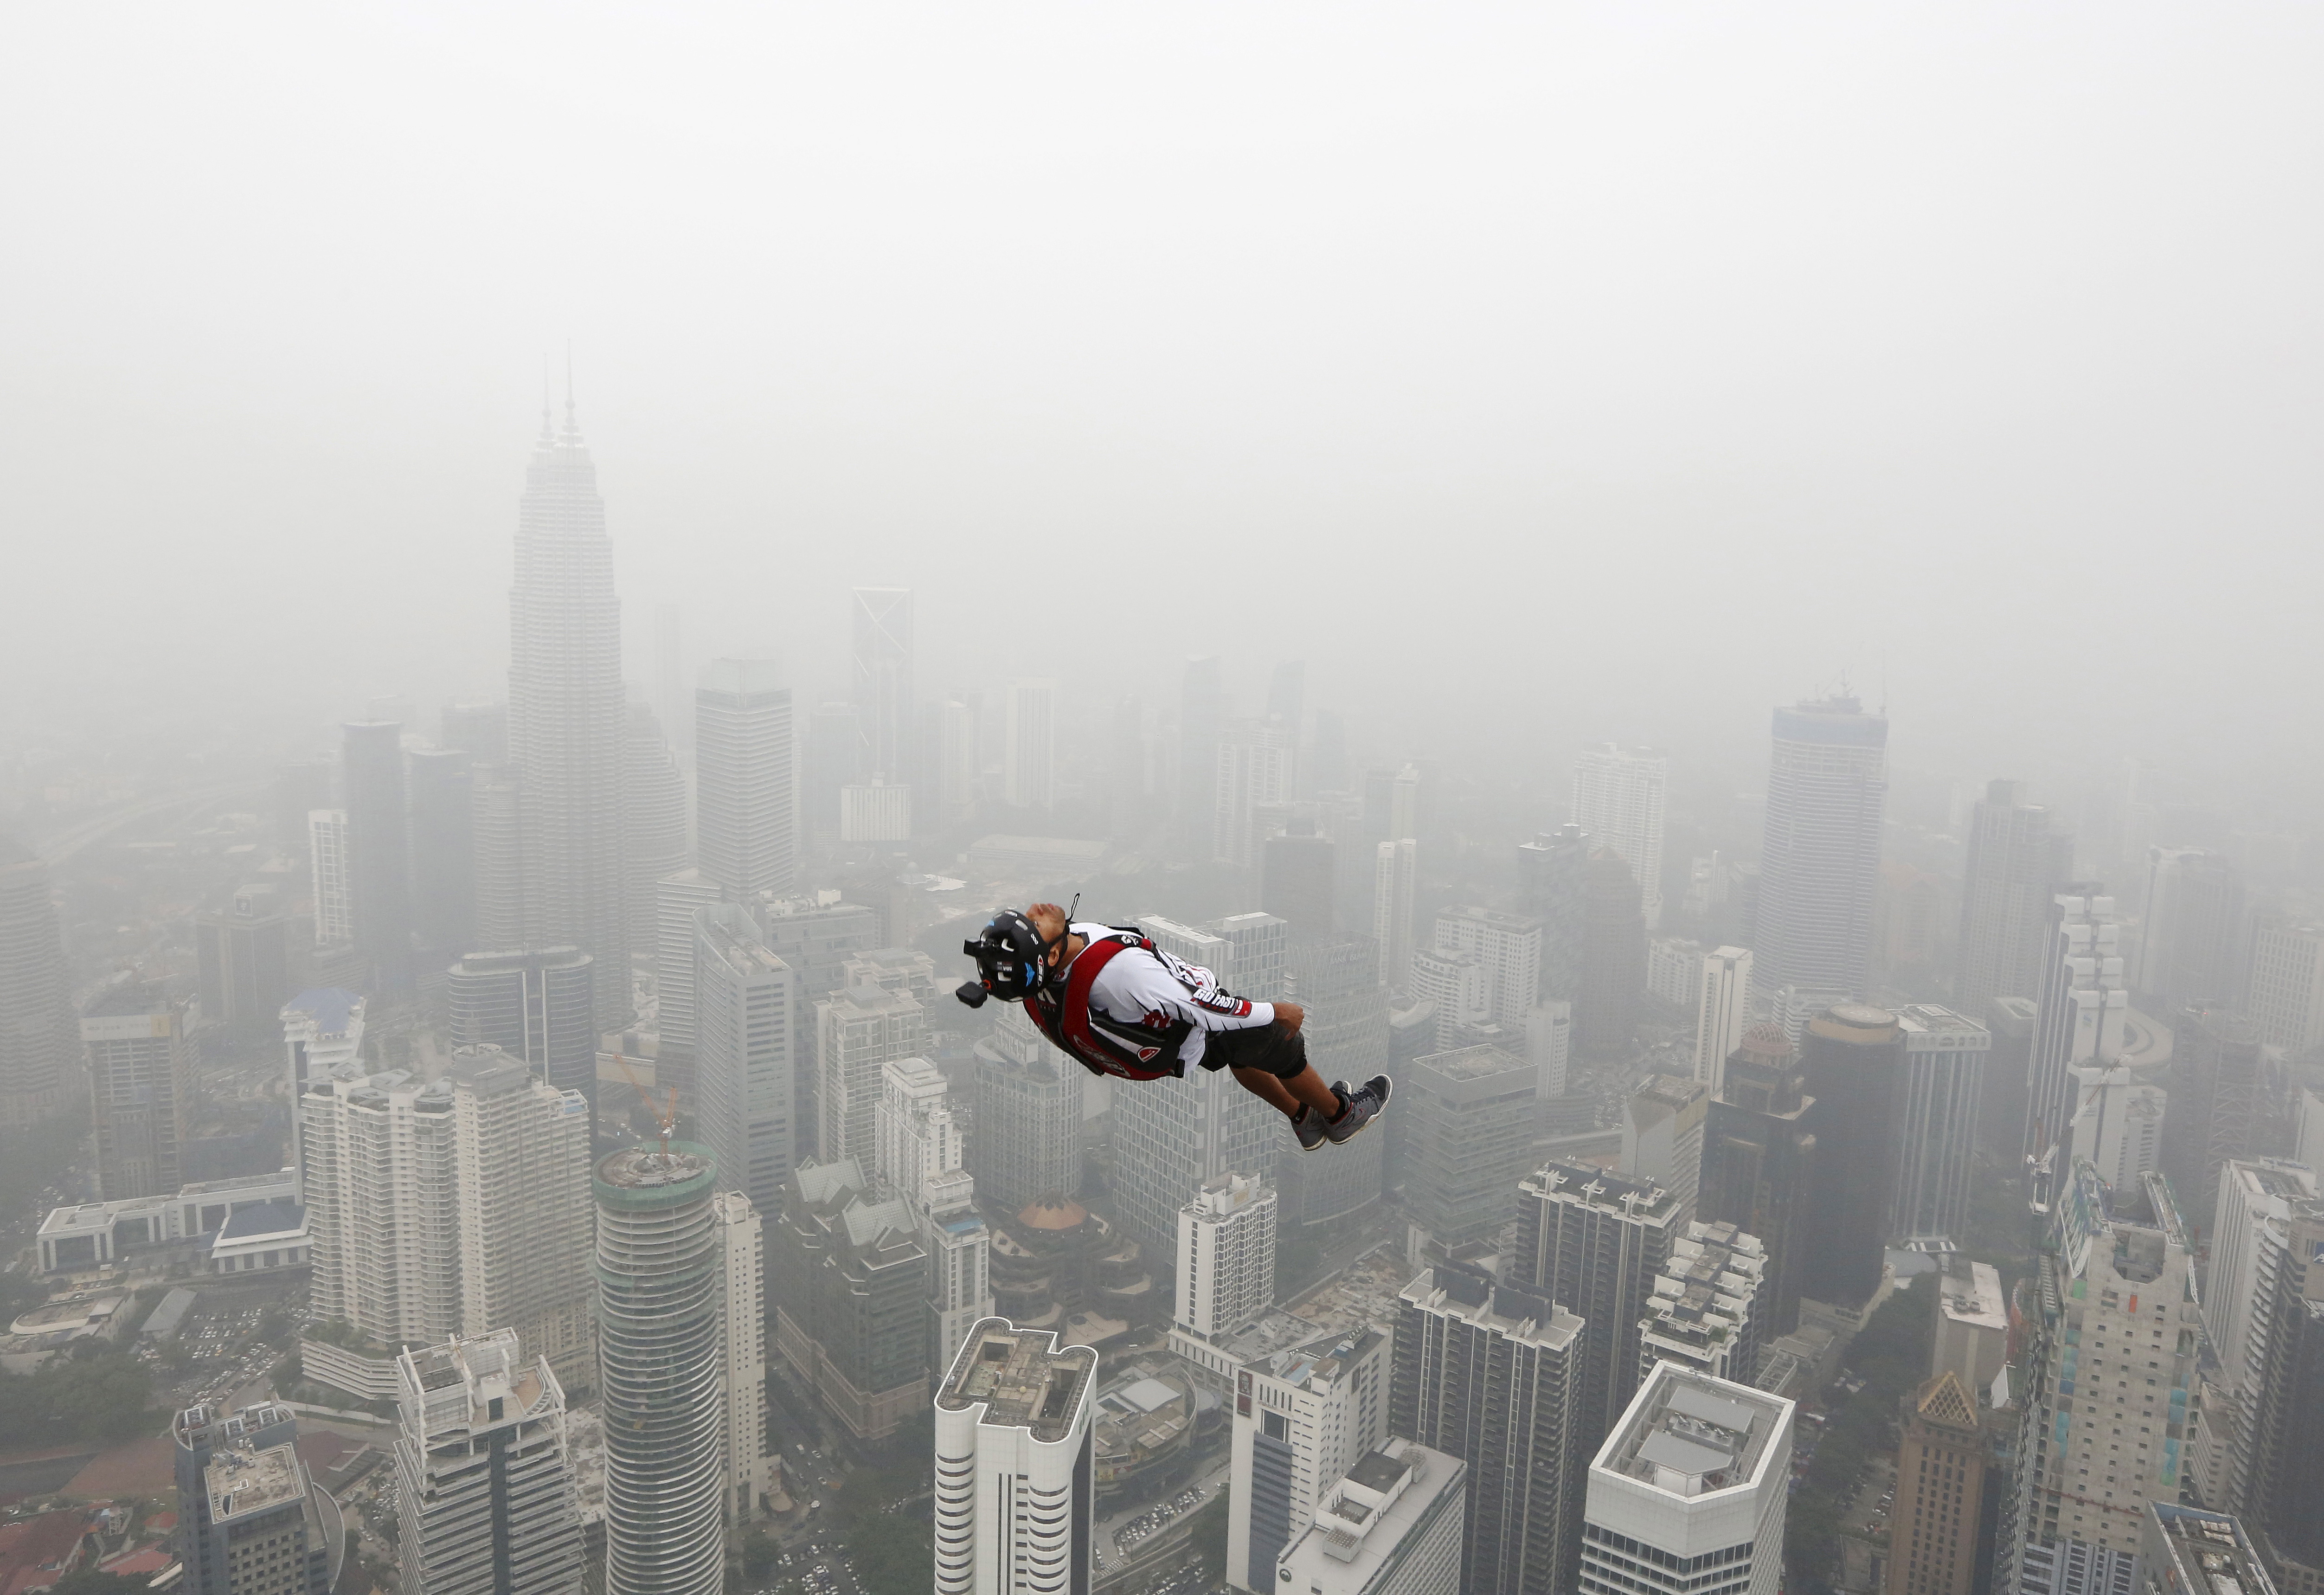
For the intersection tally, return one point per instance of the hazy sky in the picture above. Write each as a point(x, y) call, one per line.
point(1544, 371)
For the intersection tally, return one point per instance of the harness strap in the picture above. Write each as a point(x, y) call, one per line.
point(1101, 1048)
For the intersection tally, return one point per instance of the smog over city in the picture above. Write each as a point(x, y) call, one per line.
point(758, 728)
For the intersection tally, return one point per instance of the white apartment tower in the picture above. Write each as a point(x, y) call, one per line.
point(382, 1205)
point(920, 1153)
point(753, 1477)
point(1506, 947)
point(1226, 1255)
point(1721, 1014)
point(1710, 1306)
point(1392, 907)
point(1618, 797)
point(676, 899)
point(2286, 998)
point(486, 1501)
point(1391, 1527)
point(857, 1032)
point(327, 852)
point(743, 1001)
point(2118, 1124)
point(1013, 1465)
point(1028, 762)
point(2252, 1251)
point(1303, 1418)
point(1689, 1490)
point(2079, 1018)
point(744, 800)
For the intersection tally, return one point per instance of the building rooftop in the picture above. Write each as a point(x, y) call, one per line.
point(268, 1218)
point(1477, 1297)
point(1596, 1187)
point(1976, 1301)
point(647, 1168)
point(1687, 1433)
point(1318, 1363)
point(130, 997)
point(1926, 1019)
point(243, 1480)
point(1022, 1378)
point(2209, 1552)
point(1365, 1517)
point(330, 1007)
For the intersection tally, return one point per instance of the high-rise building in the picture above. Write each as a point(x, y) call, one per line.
point(1722, 1011)
point(1508, 947)
point(2191, 946)
point(1690, 1488)
point(1028, 764)
point(1028, 1097)
point(496, 822)
point(243, 957)
point(744, 1054)
point(753, 1475)
point(1299, 880)
point(2016, 860)
point(1945, 1057)
point(875, 812)
point(382, 1195)
point(1708, 1309)
point(1940, 1486)
point(849, 1282)
point(1612, 974)
point(537, 1005)
point(2286, 996)
point(1391, 1527)
point(519, 1163)
point(653, 820)
point(379, 849)
point(2186, 1551)
point(1758, 1163)
point(1303, 1418)
point(1488, 1372)
point(880, 674)
point(1393, 884)
point(1549, 1046)
point(856, 1032)
point(1337, 981)
point(1662, 1126)
point(2252, 1268)
point(1820, 862)
point(920, 1155)
point(487, 1502)
point(443, 853)
point(1226, 1255)
point(1550, 889)
point(1853, 1061)
point(830, 760)
point(1457, 986)
point(139, 1072)
point(744, 797)
point(1618, 797)
point(2111, 1342)
point(327, 852)
point(2218, 1100)
point(676, 899)
point(2116, 1126)
point(567, 719)
point(1596, 1243)
point(661, 1312)
point(1013, 1476)
point(1253, 772)
point(321, 1029)
point(1467, 1139)
point(250, 1519)
point(2080, 1007)
point(476, 728)
point(2287, 1467)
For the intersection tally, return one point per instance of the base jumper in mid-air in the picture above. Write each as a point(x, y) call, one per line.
point(1119, 1005)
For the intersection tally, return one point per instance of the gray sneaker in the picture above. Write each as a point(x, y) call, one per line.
point(1365, 1103)
point(1308, 1125)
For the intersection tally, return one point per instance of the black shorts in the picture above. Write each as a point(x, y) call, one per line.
point(1264, 1047)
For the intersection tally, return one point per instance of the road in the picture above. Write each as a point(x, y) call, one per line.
point(1101, 1535)
point(60, 845)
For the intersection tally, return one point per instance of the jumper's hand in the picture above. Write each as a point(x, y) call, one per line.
point(1290, 1016)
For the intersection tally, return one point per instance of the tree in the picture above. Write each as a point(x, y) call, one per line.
point(759, 1552)
point(893, 1555)
point(88, 1580)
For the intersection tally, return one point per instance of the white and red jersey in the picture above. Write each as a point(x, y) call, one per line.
point(1147, 987)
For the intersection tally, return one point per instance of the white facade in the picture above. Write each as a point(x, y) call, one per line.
point(487, 1502)
point(753, 1477)
point(1392, 887)
point(1708, 1306)
point(2251, 1241)
point(1674, 974)
point(326, 849)
point(676, 899)
point(1820, 852)
point(1662, 1126)
point(1253, 771)
point(1722, 1010)
point(875, 812)
point(857, 1033)
point(1013, 1473)
point(1457, 984)
point(2080, 1014)
point(1506, 947)
point(744, 998)
point(745, 798)
point(321, 1030)
point(917, 1138)
point(1028, 762)
point(1303, 1418)
point(1391, 1527)
point(2287, 986)
point(2118, 1124)
point(1689, 1491)
point(1618, 797)
point(921, 1154)
point(1226, 1255)
point(382, 1205)
point(1549, 1045)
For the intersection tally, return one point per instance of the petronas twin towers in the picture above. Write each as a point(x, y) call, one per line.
point(566, 719)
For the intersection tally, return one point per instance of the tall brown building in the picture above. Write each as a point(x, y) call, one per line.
point(1939, 1488)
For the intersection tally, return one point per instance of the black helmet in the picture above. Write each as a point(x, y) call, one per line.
point(1010, 961)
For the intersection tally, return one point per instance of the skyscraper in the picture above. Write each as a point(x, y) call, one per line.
point(920, 1153)
point(327, 852)
point(746, 1056)
point(1013, 1469)
point(1820, 863)
point(1663, 1127)
point(1028, 1097)
point(1550, 888)
point(1466, 1139)
point(1596, 1243)
point(2256, 1274)
point(1853, 1061)
point(1758, 1162)
point(660, 1288)
point(653, 820)
point(2016, 858)
point(2116, 1126)
point(1029, 760)
point(250, 1519)
point(1618, 797)
point(856, 1032)
point(880, 674)
point(1488, 1372)
point(1253, 772)
point(1391, 1527)
point(382, 1194)
point(849, 1282)
point(1709, 1308)
point(1690, 1487)
point(1303, 1416)
point(379, 850)
point(2218, 1100)
point(1945, 1056)
point(537, 1005)
point(744, 794)
point(443, 853)
point(752, 1474)
point(1612, 971)
point(676, 899)
point(1508, 947)
point(2190, 948)
point(486, 1501)
point(1347, 1035)
point(2286, 993)
point(1226, 1255)
point(2081, 1005)
point(243, 953)
point(1722, 1013)
point(1393, 884)
point(139, 1073)
point(567, 722)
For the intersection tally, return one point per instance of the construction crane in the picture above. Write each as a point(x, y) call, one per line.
point(665, 1114)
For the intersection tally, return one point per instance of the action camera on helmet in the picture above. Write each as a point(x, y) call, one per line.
point(1009, 956)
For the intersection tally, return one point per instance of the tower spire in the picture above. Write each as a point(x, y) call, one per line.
point(547, 430)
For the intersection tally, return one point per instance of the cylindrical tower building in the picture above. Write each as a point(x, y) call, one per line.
point(658, 1294)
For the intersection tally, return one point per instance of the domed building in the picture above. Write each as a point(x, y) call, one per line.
point(1055, 1262)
